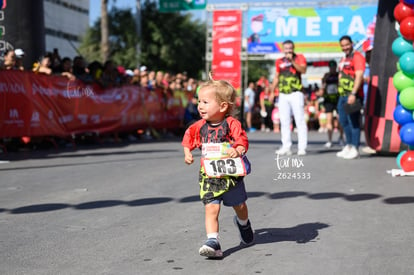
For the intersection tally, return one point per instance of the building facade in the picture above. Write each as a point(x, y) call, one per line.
point(66, 21)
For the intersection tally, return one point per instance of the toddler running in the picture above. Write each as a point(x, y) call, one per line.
point(223, 143)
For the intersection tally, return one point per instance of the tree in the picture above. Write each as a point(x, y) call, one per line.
point(122, 39)
point(104, 31)
point(257, 69)
point(170, 41)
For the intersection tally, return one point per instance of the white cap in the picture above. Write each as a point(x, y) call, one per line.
point(19, 52)
point(143, 68)
point(129, 72)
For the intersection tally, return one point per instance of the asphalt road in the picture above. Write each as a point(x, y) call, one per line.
point(134, 209)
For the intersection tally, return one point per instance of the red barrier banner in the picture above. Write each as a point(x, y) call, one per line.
point(227, 33)
point(41, 105)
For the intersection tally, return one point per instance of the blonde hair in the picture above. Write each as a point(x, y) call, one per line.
point(224, 91)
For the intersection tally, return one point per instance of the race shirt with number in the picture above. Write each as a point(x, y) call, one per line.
point(214, 141)
point(290, 79)
point(331, 87)
point(347, 68)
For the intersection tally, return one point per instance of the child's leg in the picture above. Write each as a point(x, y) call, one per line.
point(241, 211)
point(243, 224)
point(329, 125)
point(211, 218)
point(211, 248)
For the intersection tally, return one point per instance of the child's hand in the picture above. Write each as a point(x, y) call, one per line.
point(188, 158)
point(233, 153)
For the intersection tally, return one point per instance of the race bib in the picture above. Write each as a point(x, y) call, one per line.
point(224, 167)
point(217, 163)
point(214, 150)
point(332, 89)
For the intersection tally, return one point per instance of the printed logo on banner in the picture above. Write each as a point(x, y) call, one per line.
point(83, 118)
point(66, 119)
point(227, 64)
point(263, 48)
point(35, 117)
point(80, 92)
point(14, 117)
point(226, 40)
point(226, 29)
point(13, 113)
point(12, 88)
point(35, 120)
point(227, 51)
point(95, 118)
point(227, 18)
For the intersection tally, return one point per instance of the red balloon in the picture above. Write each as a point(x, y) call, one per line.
point(402, 11)
point(407, 28)
point(407, 161)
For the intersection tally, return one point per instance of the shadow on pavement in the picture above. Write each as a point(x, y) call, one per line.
point(195, 198)
point(46, 207)
point(288, 194)
point(98, 204)
point(36, 208)
point(74, 154)
point(399, 200)
point(144, 157)
point(361, 197)
point(302, 233)
point(327, 195)
point(148, 201)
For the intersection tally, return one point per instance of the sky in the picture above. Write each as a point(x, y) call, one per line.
point(95, 6)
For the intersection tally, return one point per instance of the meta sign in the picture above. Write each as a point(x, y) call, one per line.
point(314, 30)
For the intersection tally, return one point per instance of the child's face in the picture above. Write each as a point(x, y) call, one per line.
point(208, 107)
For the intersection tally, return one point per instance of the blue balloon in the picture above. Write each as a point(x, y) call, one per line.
point(403, 116)
point(409, 2)
point(398, 99)
point(407, 134)
point(401, 46)
point(398, 159)
point(407, 62)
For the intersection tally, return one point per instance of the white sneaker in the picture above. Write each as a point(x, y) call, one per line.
point(368, 150)
point(301, 153)
point(344, 151)
point(352, 153)
point(284, 152)
point(328, 144)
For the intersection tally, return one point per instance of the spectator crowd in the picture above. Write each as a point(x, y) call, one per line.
point(110, 75)
point(260, 104)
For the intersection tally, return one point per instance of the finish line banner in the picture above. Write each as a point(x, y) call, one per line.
point(41, 105)
point(313, 30)
point(227, 33)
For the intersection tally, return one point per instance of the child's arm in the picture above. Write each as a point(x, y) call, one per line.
point(241, 143)
point(191, 141)
point(188, 157)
